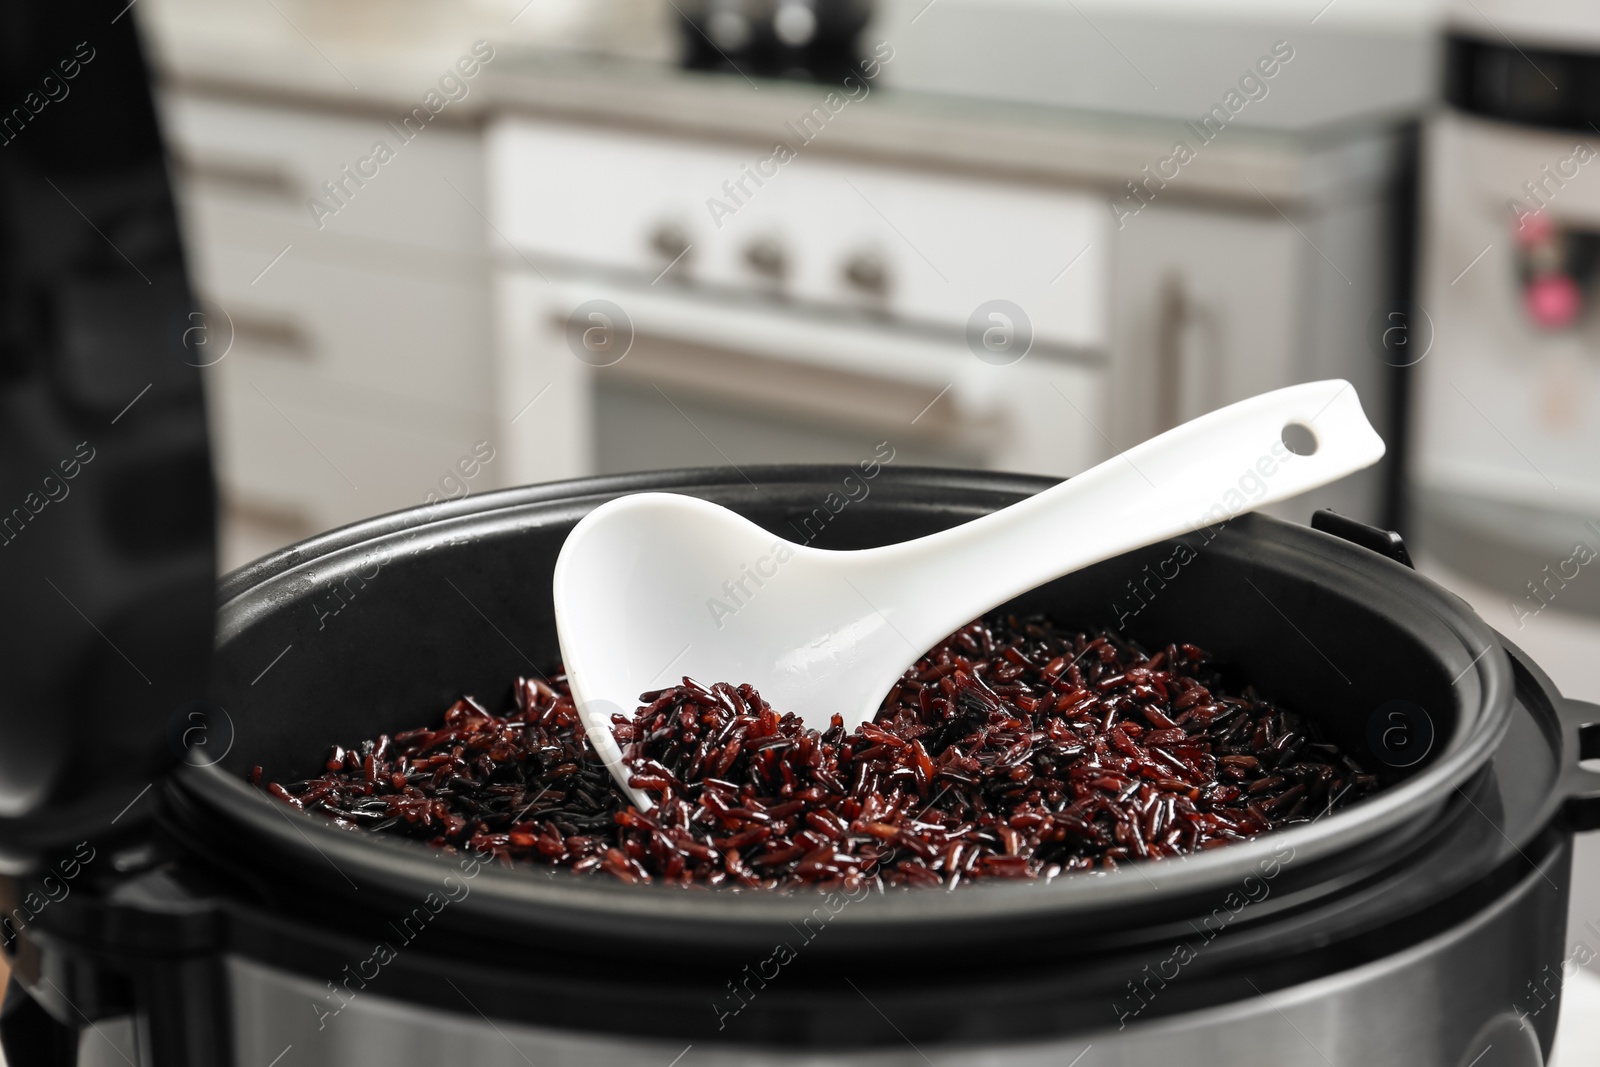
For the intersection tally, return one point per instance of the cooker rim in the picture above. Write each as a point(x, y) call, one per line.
point(249, 591)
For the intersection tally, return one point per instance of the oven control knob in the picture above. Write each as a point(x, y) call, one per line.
point(766, 257)
point(729, 30)
point(794, 23)
point(670, 241)
point(866, 271)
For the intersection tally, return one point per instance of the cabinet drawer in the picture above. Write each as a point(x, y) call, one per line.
point(272, 161)
point(291, 442)
point(387, 334)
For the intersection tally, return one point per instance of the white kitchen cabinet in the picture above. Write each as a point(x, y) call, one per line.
point(357, 368)
point(373, 326)
point(266, 160)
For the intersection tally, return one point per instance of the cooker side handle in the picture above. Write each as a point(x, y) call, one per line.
point(1580, 729)
point(1373, 538)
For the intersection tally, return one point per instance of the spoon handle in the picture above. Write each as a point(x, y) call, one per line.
point(1204, 472)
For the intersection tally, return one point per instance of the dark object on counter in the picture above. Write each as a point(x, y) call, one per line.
point(1529, 85)
point(805, 40)
point(1012, 750)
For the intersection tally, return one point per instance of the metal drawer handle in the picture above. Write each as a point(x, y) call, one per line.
point(1178, 368)
point(270, 334)
point(255, 178)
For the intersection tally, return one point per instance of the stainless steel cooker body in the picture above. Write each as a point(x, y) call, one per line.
point(1457, 999)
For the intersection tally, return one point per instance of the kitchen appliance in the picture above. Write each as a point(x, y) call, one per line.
point(160, 910)
point(1508, 396)
point(803, 39)
point(804, 327)
point(802, 272)
point(1415, 928)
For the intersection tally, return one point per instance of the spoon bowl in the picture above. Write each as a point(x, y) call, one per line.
point(655, 587)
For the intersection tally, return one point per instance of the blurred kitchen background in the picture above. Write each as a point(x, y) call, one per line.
point(450, 247)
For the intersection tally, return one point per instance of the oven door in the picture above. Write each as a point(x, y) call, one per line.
point(602, 378)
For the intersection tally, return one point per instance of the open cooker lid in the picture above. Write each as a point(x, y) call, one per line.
point(106, 503)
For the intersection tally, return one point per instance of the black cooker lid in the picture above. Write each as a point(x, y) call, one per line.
point(106, 502)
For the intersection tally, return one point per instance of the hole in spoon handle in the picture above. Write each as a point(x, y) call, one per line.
point(1300, 439)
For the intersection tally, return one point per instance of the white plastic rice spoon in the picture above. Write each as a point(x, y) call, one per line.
point(655, 586)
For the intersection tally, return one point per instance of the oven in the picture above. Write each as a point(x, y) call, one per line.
point(663, 304)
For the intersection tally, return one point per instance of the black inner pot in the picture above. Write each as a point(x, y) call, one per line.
point(378, 627)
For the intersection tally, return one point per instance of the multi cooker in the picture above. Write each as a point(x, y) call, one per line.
point(158, 909)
